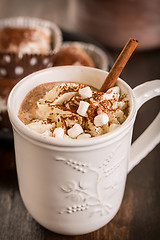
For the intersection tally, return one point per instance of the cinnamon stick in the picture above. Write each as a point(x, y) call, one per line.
point(119, 64)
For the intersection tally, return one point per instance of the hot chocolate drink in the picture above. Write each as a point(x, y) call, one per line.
point(72, 110)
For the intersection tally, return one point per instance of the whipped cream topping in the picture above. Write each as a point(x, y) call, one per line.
point(75, 111)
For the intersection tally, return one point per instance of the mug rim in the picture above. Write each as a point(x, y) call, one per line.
point(38, 138)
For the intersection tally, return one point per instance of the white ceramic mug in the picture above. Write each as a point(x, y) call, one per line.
point(76, 186)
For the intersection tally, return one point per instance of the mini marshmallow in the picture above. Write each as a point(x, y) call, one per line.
point(115, 89)
point(85, 92)
point(112, 93)
point(108, 96)
point(84, 136)
point(115, 105)
point(101, 119)
point(82, 109)
point(120, 115)
point(43, 107)
point(58, 132)
point(113, 126)
point(75, 131)
point(39, 126)
point(120, 105)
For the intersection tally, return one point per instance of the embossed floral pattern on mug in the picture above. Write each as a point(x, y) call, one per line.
point(81, 195)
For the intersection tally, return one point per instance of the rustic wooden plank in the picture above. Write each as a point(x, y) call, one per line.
point(15, 221)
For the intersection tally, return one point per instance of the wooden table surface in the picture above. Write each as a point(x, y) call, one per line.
point(139, 214)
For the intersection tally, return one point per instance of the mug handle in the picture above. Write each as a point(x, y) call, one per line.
point(151, 136)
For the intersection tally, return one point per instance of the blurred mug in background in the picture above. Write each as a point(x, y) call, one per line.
point(112, 22)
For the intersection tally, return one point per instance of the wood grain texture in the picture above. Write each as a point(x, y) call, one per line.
point(138, 217)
